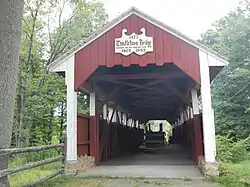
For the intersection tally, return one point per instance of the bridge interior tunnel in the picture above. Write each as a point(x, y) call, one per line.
point(151, 92)
point(126, 99)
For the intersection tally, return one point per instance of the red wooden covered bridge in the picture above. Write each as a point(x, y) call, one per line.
point(137, 69)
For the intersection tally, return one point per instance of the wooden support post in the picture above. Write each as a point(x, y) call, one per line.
point(124, 119)
point(114, 116)
point(198, 144)
point(64, 153)
point(181, 116)
point(105, 111)
point(118, 116)
point(94, 129)
point(207, 112)
point(71, 112)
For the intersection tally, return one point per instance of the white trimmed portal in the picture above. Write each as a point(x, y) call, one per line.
point(71, 111)
point(207, 59)
point(207, 112)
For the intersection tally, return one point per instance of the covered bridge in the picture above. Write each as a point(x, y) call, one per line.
point(137, 69)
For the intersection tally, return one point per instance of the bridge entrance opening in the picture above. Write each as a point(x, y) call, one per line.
point(148, 120)
point(135, 70)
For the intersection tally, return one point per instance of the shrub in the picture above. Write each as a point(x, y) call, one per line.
point(229, 150)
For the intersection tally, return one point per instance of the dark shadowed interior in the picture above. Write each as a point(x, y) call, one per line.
point(151, 92)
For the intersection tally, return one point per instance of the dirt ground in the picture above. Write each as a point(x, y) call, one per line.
point(103, 182)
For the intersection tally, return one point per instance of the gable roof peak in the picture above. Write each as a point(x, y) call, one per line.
point(134, 10)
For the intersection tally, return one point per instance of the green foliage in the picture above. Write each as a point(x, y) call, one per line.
point(40, 107)
point(229, 150)
point(234, 175)
point(167, 128)
point(82, 103)
point(230, 36)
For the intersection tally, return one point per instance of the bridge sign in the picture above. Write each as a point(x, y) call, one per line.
point(134, 43)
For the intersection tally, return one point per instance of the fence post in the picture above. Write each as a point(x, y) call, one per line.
point(64, 153)
point(5, 171)
point(4, 165)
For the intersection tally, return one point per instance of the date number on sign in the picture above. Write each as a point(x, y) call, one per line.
point(140, 50)
point(128, 50)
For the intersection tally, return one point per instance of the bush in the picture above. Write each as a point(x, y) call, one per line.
point(229, 150)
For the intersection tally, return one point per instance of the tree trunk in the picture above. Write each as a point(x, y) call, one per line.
point(50, 133)
point(32, 133)
point(61, 121)
point(20, 110)
point(11, 12)
point(20, 127)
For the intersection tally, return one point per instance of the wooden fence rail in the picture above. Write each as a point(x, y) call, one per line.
point(8, 171)
point(42, 180)
point(29, 149)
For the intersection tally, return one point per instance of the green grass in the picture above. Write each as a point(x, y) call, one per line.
point(29, 176)
point(233, 175)
point(243, 168)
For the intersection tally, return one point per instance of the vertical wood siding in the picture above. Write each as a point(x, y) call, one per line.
point(167, 49)
point(83, 135)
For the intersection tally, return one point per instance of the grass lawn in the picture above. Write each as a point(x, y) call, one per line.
point(242, 168)
point(233, 174)
point(29, 176)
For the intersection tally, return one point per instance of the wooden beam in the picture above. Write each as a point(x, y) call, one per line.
point(113, 92)
point(151, 105)
point(149, 94)
point(146, 91)
point(153, 99)
point(117, 116)
point(86, 88)
point(178, 93)
point(139, 76)
point(134, 85)
point(106, 96)
point(146, 86)
point(111, 118)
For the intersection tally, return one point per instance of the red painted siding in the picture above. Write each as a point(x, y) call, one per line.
point(83, 135)
point(199, 151)
point(167, 49)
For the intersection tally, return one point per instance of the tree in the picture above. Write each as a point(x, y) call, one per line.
point(40, 107)
point(230, 36)
point(11, 12)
